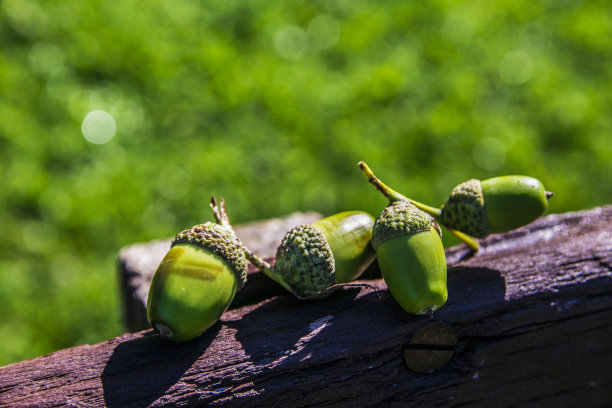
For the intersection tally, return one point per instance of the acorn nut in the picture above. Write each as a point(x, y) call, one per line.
point(411, 257)
point(477, 208)
point(314, 259)
point(197, 279)
point(410, 253)
point(499, 204)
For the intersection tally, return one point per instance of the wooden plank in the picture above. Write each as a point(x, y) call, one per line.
point(532, 313)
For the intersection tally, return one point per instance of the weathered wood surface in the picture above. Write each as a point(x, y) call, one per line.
point(532, 313)
point(137, 263)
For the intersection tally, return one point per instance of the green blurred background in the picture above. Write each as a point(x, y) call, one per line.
point(270, 105)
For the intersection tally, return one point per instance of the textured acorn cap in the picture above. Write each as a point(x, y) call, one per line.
point(398, 219)
point(219, 240)
point(465, 211)
point(306, 261)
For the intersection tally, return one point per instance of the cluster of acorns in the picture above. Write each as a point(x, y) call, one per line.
point(206, 264)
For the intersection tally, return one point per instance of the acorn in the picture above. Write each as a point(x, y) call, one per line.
point(476, 209)
point(197, 279)
point(499, 204)
point(410, 254)
point(315, 259)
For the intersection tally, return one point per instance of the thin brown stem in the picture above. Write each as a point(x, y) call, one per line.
point(436, 213)
point(219, 211)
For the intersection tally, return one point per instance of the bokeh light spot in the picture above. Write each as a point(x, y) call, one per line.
point(173, 182)
point(44, 57)
point(62, 83)
point(158, 219)
point(571, 107)
point(489, 153)
point(516, 68)
point(323, 32)
point(458, 28)
point(98, 127)
point(290, 42)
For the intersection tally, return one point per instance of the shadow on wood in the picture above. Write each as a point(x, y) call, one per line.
point(140, 369)
point(262, 330)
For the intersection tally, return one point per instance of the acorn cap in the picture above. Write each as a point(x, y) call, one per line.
point(219, 240)
point(465, 211)
point(398, 219)
point(306, 261)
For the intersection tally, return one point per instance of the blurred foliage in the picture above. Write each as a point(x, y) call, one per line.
point(270, 105)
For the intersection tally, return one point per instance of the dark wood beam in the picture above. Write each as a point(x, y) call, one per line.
point(531, 314)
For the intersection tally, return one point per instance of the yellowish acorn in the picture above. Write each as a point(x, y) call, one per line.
point(197, 279)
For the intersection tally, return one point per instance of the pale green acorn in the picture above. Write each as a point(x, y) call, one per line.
point(477, 208)
point(314, 259)
point(410, 253)
point(197, 279)
point(499, 204)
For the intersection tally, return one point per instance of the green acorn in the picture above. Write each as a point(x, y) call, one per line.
point(499, 204)
point(477, 208)
point(197, 279)
point(410, 254)
point(314, 259)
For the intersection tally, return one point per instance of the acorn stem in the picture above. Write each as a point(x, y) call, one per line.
point(219, 211)
point(436, 213)
point(266, 268)
point(471, 242)
point(433, 211)
point(393, 195)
